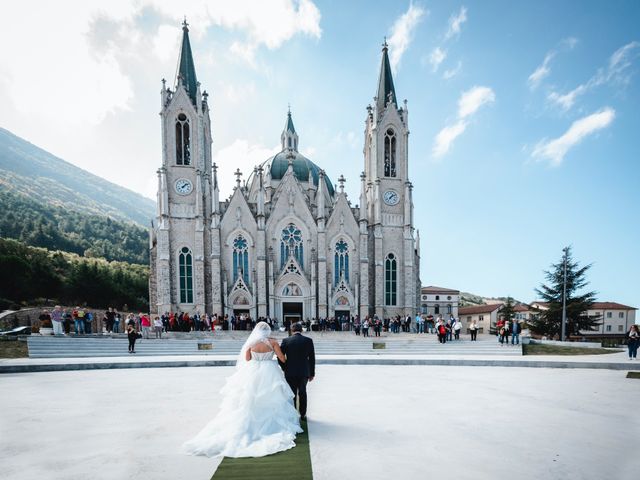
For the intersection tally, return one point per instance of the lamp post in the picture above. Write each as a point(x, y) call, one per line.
point(564, 293)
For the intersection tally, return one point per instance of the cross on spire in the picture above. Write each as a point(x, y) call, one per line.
point(341, 181)
point(238, 174)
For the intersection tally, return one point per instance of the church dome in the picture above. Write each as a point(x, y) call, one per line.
point(302, 168)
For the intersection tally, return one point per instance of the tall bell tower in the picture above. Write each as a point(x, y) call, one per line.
point(182, 244)
point(393, 273)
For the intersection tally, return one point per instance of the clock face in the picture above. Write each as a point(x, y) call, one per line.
point(183, 186)
point(390, 197)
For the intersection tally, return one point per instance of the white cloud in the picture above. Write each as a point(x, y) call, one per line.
point(239, 154)
point(402, 33)
point(544, 69)
point(555, 150)
point(455, 23)
point(471, 100)
point(446, 136)
point(468, 104)
point(617, 72)
point(437, 57)
point(567, 100)
point(541, 72)
point(452, 72)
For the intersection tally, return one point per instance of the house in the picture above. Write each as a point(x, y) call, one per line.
point(486, 317)
point(439, 301)
point(614, 317)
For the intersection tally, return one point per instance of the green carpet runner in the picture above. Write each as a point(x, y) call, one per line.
point(292, 464)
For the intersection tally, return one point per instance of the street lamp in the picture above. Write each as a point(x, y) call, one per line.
point(564, 293)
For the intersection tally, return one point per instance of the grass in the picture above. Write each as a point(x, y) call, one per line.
point(534, 349)
point(633, 375)
point(293, 464)
point(13, 349)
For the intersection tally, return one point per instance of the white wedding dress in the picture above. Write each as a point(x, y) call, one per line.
point(256, 416)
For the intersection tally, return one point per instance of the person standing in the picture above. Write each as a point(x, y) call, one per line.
point(146, 325)
point(633, 341)
point(132, 335)
point(365, 327)
point(56, 320)
point(441, 330)
point(116, 322)
point(300, 366)
point(473, 329)
point(78, 322)
point(515, 332)
point(88, 320)
point(457, 326)
point(157, 326)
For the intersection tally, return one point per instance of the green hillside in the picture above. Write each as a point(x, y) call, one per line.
point(32, 274)
point(57, 228)
point(45, 178)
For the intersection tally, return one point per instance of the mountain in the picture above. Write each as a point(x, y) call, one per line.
point(470, 300)
point(44, 178)
point(47, 202)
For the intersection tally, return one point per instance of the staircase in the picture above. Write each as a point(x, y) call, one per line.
point(338, 343)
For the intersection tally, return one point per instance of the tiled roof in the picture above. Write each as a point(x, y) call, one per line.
point(610, 306)
point(521, 307)
point(434, 289)
point(479, 309)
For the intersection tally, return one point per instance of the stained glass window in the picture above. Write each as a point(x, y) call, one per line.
point(291, 244)
point(241, 259)
point(390, 280)
point(341, 264)
point(185, 266)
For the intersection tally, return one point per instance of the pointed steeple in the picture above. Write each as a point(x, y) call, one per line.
point(289, 137)
point(186, 68)
point(386, 90)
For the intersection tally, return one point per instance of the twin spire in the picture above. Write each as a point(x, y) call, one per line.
point(386, 90)
point(186, 68)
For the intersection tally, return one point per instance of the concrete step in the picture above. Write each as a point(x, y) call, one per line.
point(99, 346)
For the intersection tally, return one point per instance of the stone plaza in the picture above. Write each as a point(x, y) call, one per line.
point(365, 422)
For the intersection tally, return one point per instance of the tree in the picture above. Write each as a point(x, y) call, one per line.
point(549, 322)
point(507, 312)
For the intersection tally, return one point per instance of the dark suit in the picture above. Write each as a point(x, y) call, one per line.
point(299, 367)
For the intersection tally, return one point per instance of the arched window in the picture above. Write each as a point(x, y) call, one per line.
point(183, 141)
point(449, 309)
point(185, 263)
point(291, 244)
point(436, 309)
point(390, 153)
point(341, 266)
point(241, 259)
point(390, 280)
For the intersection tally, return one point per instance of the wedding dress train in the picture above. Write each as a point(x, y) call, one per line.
point(256, 416)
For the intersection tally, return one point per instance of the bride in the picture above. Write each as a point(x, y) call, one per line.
point(256, 416)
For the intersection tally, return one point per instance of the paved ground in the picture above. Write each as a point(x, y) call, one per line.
point(365, 422)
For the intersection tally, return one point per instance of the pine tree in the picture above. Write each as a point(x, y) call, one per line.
point(549, 322)
point(507, 312)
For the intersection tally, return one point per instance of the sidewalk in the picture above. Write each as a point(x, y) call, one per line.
point(613, 361)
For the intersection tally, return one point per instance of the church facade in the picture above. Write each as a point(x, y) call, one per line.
point(287, 243)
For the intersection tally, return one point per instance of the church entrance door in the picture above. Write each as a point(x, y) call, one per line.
point(342, 316)
point(291, 313)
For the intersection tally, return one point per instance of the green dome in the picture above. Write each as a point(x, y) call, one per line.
point(302, 166)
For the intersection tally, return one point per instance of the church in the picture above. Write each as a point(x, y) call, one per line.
point(287, 243)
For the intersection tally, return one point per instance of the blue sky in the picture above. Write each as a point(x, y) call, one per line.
point(523, 116)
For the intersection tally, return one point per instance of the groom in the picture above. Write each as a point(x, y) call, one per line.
point(300, 366)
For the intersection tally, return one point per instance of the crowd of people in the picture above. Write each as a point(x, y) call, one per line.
point(81, 321)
